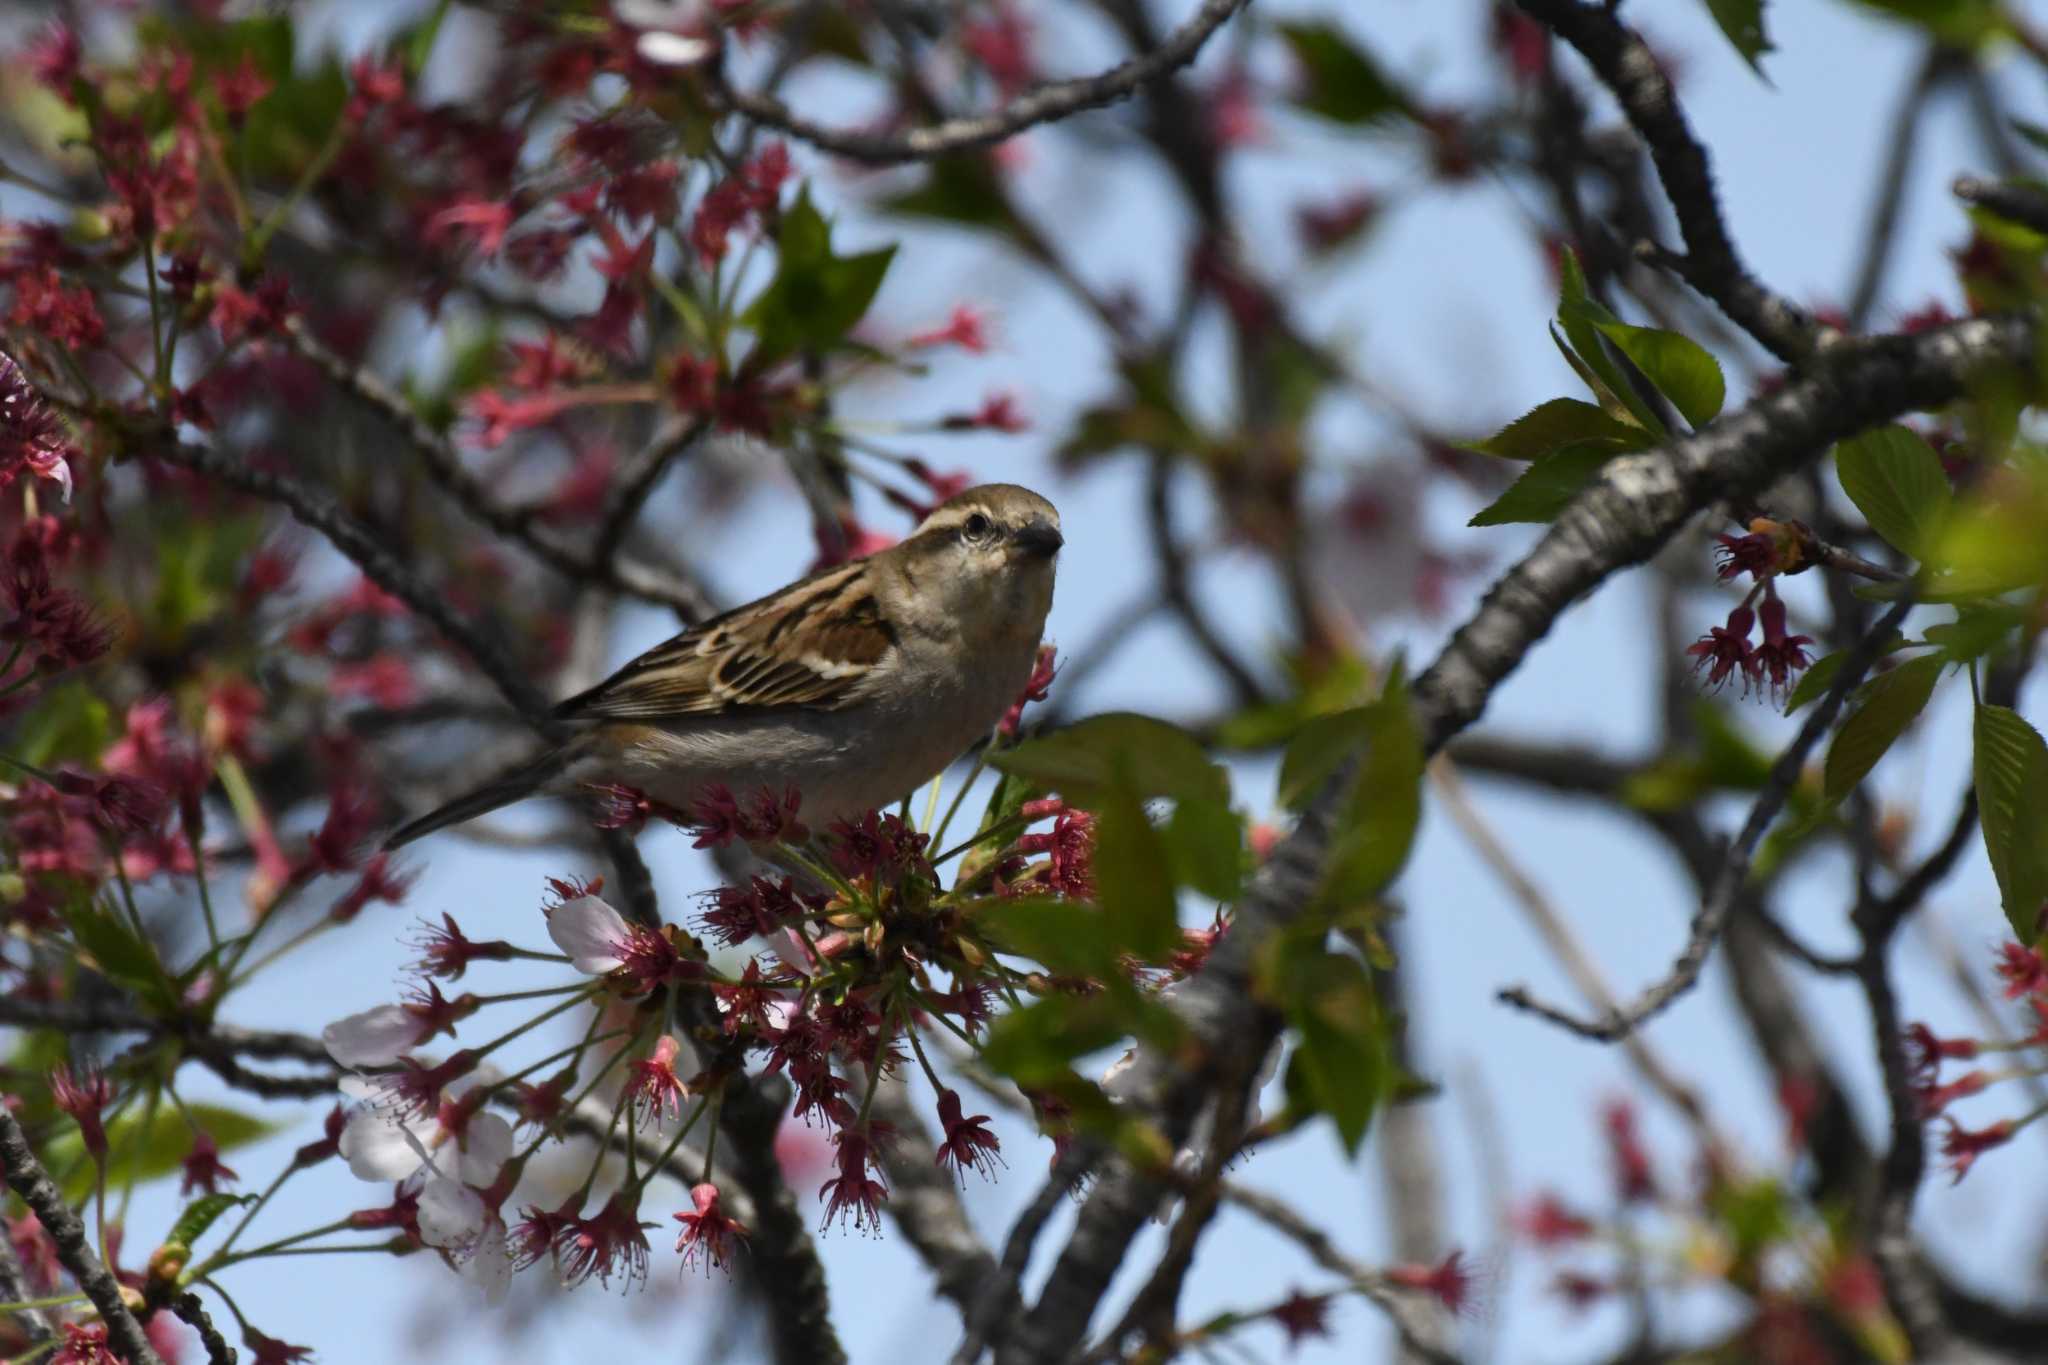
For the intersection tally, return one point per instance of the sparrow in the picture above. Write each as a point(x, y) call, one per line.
point(853, 686)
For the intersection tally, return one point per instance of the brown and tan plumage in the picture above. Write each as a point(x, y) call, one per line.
point(854, 685)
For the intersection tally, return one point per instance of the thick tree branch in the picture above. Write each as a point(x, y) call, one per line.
point(26, 1176)
point(1625, 64)
point(1638, 503)
point(2023, 204)
point(1046, 104)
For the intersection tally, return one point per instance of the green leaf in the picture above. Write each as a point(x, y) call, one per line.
point(1956, 23)
point(1070, 938)
point(1581, 315)
point(1344, 84)
point(2012, 804)
point(67, 722)
point(1318, 749)
point(1977, 631)
point(1896, 481)
point(1119, 750)
point(419, 43)
point(1679, 367)
point(1814, 683)
point(959, 189)
point(201, 1214)
point(1205, 843)
point(110, 947)
point(1375, 827)
point(1546, 487)
point(1560, 424)
point(143, 1146)
point(1742, 23)
point(1889, 706)
point(816, 297)
point(1134, 877)
point(1038, 1044)
point(1343, 1059)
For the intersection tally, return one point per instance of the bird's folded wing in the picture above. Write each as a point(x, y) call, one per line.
point(812, 645)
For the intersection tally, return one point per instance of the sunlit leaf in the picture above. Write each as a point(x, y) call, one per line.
point(1546, 487)
point(1679, 367)
point(1560, 424)
point(1896, 481)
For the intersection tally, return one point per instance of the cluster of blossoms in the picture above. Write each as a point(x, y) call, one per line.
point(1808, 1282)
point(1769, 550)
point(827, 970)
point(2024, 972)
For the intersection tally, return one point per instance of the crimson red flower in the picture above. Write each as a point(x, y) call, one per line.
point(446, 951)
point(1631, 1161)
point(1961, 1146)
point(1925, 1051)
point(717, 818)
point(968, 1142)
point(313, 1153)
point(1935, 1098)
point(762, 906)
point(413, 1089)
point(1037, 687)
point(709, 1230)
point(751, 193)
point(240, 88)
point(851, 1193)
point(483, 223)
point(202, 1166)
point(68, 317)
point(1327, 225)
point(83, 1094)
point(2024, 970)
point(119, 805)
point(85, 1345)
point(1451, 1282)
point(1548, 1222)
point(1780, 655)
point(403, 1213)
point(1001, 44)
point(653, 1088)
point(1755, 554)
point(500, 416)
point(1302, 1316)
point(379, 881)
point(270, 1351)
point(746, 1001)
point(1725, 651)
point(966, 327)
point(612, 1243)
point(1070, 868)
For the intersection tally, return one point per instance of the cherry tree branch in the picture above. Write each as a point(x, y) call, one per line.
point(1621, 1022)
point(1046, 104)
point(1625, 64)
point(26, 1176)
point(2022, 204)
point(1638, 503)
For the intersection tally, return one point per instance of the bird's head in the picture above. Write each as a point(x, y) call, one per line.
point(986, 557)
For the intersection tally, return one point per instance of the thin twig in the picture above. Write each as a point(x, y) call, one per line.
point(2020, 203)
point(1617, 1023)
point(1047, 103)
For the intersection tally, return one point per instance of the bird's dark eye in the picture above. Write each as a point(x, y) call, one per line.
point(977, 527)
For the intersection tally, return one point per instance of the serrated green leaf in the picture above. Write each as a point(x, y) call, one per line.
point(1344, 84)
point(1546, 487)
point(1559, 424)
point(1375, 827)
point(1896, 481)
point(1679, 367)
point(1581, 316)
point(2011, 768)
point(201, 1214)
point(1120, 750)
point(1318, 749)
point(1889, 706)
point(1977, 631)
point(1205, 843)
point(1742, 23)
point(816, 297)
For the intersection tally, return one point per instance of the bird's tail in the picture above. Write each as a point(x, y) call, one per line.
point(500, 791)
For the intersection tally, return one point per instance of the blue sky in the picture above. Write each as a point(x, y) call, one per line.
point(1447, 307)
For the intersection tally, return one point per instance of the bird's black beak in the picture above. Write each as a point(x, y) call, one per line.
point(1040, 539)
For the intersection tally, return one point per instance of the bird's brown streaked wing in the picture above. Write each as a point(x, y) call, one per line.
point(808, 646)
